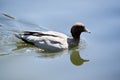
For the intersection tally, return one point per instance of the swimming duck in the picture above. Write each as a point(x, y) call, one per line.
point(52, 40)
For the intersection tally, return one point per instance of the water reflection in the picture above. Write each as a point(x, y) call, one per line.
point(47, 55)
point(21, 45)
point(29, 48)
point(76, 59)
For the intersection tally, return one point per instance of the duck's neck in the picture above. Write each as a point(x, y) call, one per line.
point(76, 37)
point(73, 42)
point(76, 40)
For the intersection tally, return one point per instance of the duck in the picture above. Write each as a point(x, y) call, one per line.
point(52, 40)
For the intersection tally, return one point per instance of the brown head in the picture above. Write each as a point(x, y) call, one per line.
point(77, 29)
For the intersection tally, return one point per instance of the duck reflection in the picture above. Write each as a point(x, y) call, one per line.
point(76, 58)
point(21, 45)
point(46, 55)
point(28, 48)
point(74, 53)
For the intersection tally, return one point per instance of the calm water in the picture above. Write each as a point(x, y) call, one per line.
point(98, 55)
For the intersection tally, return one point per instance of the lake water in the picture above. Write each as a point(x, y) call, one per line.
point(98, 55)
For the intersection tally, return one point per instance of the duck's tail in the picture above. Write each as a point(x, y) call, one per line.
point(18, 36)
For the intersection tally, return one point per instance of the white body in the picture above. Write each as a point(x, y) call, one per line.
point(57, 42)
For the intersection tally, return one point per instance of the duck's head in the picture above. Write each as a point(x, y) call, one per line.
point(77, 29)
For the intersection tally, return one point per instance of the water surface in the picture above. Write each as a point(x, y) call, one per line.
point(97, 57)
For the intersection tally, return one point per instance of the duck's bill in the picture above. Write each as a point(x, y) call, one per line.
point(86, 30)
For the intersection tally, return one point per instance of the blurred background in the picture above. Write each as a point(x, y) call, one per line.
point(97, 57)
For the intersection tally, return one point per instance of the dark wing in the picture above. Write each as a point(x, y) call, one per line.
point(27, 33)
point(33, 33)
point(38, 34)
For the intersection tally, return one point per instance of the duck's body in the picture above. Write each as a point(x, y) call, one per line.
point(51, 40)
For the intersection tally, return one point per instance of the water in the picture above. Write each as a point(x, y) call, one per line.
point(97, 57)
